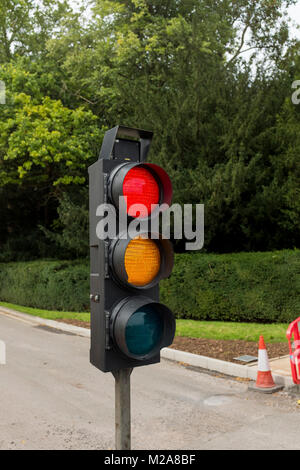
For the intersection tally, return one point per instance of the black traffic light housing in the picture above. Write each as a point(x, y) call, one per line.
point(113, 299)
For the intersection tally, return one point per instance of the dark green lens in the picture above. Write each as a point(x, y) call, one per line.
point(143, 331)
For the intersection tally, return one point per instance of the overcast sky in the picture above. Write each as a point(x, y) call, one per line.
point(295, 15)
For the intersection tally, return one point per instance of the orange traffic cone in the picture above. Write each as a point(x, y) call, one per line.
point(264, 381)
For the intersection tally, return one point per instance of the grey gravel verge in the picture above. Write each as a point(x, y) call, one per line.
point(203, 362)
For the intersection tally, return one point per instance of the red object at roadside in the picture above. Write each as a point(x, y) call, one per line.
point(293, 336)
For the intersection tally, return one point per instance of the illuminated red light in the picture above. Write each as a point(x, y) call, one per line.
point(140, 187)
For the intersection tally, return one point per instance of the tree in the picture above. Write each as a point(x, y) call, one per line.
point(26, 26)
point(45, 149)
point(178, 68)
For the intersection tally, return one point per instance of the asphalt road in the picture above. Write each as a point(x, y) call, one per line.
point(52, 398)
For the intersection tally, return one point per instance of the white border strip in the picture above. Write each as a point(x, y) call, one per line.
point(2, 353)
point(208, 363)
point(43, 321)
point(223, 367)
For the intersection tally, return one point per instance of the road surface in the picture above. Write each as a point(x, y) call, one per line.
point(52, 398)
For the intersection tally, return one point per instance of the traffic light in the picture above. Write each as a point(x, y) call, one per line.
point(129, 326)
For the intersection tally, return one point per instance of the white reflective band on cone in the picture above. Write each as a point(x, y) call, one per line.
point(263, 361)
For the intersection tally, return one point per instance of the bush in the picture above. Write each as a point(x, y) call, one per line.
point(246, 287)
point(50, 285)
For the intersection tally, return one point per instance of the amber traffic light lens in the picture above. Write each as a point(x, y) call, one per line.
point(142, 261)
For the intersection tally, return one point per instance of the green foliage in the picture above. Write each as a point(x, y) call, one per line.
point(162, 67)
point(287, 169)
point(51, 285)
point(224, 126)
point(26, 25)
point(70, 231)
point(242, 287)
point(45, 149)
point(246, 287)
point(47, 143)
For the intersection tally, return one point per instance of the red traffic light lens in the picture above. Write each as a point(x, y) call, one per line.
point(140, 187)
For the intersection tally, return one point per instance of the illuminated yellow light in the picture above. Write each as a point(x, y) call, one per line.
point(142, 261)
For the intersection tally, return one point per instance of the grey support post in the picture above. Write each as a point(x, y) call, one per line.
point(122, 409)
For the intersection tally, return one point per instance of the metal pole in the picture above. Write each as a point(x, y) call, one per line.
point(122, 409)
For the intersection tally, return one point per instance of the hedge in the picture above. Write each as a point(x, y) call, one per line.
point(246, 287)
point(50, 285)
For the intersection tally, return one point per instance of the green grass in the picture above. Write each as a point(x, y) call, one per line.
point(272, 333)
point(49, 314)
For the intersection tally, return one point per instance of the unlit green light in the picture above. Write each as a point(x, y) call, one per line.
point(144, 330)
